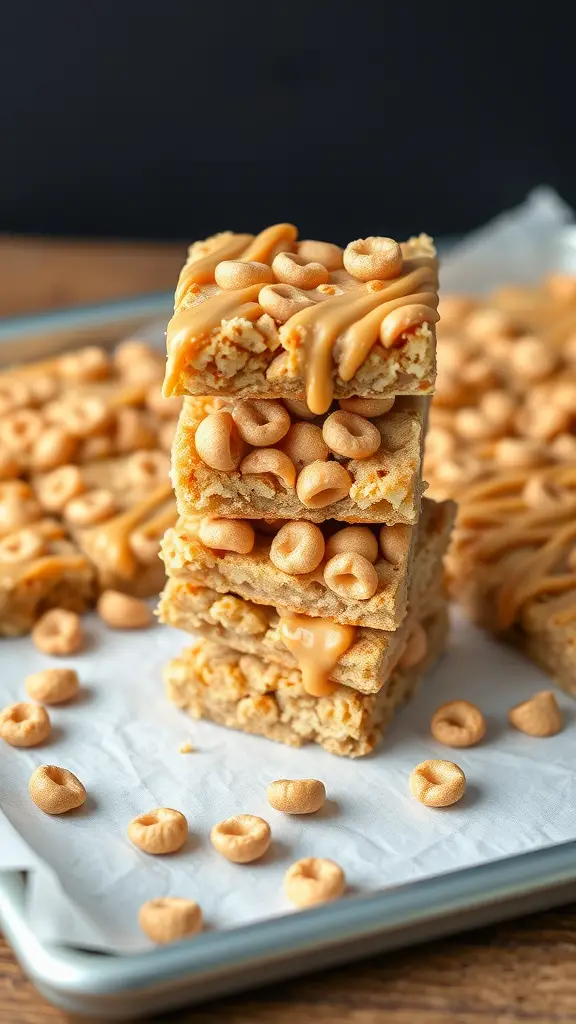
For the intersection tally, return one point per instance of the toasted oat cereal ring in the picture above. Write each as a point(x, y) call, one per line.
point(458, 724)
point(437, 783)
point(132, 432)
point(270, 462)
point(54, 447)
point(218, 442)
point(234, 274)
point(22, 546)
point(160, 831)
point(323, 483)
point(227, 535)
point(416, 647)
point(91, 508)
point(314, 880)
point(58, 632)
point(299, 409)
point(326, 253)
point(261, 422)
point(295, 269)
point(20, 430)
point(368, 407)
point(59, 487)
point(241, 839)
point(350, 435)
point(304, 444)
point(374, 258)
point(148, 468)
point(170, 919)
point(52, 685)
point(353, 538)
point(56, 790)
point(296, 796)
point(90, 363)
point(351, 576)
point(24, 725)
point(297, 548)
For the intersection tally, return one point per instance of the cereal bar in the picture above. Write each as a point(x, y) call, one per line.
point(243, 692)
point(346, 587)
point(40, 569)
point(255, 458)
point(513, 566)
point(273, 317)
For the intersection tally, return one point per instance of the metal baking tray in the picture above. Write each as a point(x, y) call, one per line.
point(215, 964)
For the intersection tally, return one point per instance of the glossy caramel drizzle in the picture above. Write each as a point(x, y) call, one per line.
point(201, 271)
point(195, 324)
point(109, 541)
point(494, 521)
point(364, 314)
point(358, 316)
point(316, 644)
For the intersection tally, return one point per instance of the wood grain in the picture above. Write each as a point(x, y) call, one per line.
point(38, 274)
point(519, 972)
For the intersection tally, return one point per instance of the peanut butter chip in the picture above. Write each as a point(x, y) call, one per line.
point(540, 716)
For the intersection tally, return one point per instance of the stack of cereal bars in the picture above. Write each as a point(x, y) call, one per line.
point(304, 557)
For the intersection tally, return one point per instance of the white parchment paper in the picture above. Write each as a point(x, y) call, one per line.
point(122, 738)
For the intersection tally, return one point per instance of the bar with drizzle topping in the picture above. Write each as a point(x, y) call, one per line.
point(266, 317)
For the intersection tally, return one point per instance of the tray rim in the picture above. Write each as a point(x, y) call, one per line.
point(218, 963)
point(73, 316)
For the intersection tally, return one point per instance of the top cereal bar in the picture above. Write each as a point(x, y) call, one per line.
point(271, 317)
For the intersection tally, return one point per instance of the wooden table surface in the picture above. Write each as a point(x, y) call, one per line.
point(520, 971)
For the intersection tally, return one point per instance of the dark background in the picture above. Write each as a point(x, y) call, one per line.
point(177, 120)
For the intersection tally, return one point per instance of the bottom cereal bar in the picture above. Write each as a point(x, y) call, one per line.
point(243, 692)
point(512, 564)
point(41, 569)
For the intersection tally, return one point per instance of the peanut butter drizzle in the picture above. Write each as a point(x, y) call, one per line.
point(40, 568)
point(271, 241)
point(533, 568)
point(190, 325)
point(109, 542)
point(547, 532)
point(317, 644)
point(358, 315)
point(201, 271)
point(158, 524)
